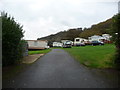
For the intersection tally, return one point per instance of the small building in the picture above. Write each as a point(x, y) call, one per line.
point(37, 44)
point(57, 44)
point(78, 41)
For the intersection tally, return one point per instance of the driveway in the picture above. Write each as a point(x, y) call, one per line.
point(57, 69)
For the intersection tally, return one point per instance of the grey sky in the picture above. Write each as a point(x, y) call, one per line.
point(44, 17)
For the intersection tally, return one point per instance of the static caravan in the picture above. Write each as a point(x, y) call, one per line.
point(106, 36)
point(96, 38)
point(37, 44)
point(80, 41)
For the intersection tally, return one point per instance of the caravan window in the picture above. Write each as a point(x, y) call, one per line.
point(77, 40)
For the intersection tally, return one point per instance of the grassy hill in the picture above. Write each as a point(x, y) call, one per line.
point(63, 35)
point(98, 29)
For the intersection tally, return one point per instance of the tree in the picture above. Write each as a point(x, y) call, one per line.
point(12, 33)
point(116, 37)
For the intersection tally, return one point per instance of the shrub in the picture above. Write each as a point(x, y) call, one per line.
point(12, 33)
point(116, 37)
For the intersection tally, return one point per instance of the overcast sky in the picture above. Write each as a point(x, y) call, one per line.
point(44, 17)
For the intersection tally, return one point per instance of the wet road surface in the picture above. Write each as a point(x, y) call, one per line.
point(57, 69)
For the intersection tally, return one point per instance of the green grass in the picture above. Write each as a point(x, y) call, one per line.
point(94, 56)
point(39, 51)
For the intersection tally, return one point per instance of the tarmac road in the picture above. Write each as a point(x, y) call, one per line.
point(57, 69)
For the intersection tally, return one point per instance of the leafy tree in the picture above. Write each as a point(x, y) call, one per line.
point(12, 33)
point(116, 37)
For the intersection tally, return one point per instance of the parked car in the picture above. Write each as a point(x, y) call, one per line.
point(80, 44)
point(94, 43)
point(67, 44)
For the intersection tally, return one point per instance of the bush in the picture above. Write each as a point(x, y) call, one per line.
point(116, 37)
point(12, 33)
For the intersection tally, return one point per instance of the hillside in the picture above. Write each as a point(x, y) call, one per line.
point(97, 29)
point(63, 35)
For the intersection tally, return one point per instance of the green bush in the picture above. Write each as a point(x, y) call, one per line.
point(12, 33)
point(116, 37)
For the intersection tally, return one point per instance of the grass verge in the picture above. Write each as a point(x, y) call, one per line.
point(94, 56)
point(39, 51)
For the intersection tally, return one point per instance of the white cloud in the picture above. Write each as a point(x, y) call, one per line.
point(44, 17)
point(42, 27)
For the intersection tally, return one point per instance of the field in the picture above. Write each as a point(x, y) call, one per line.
point(94, 56)
point(39, 51)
